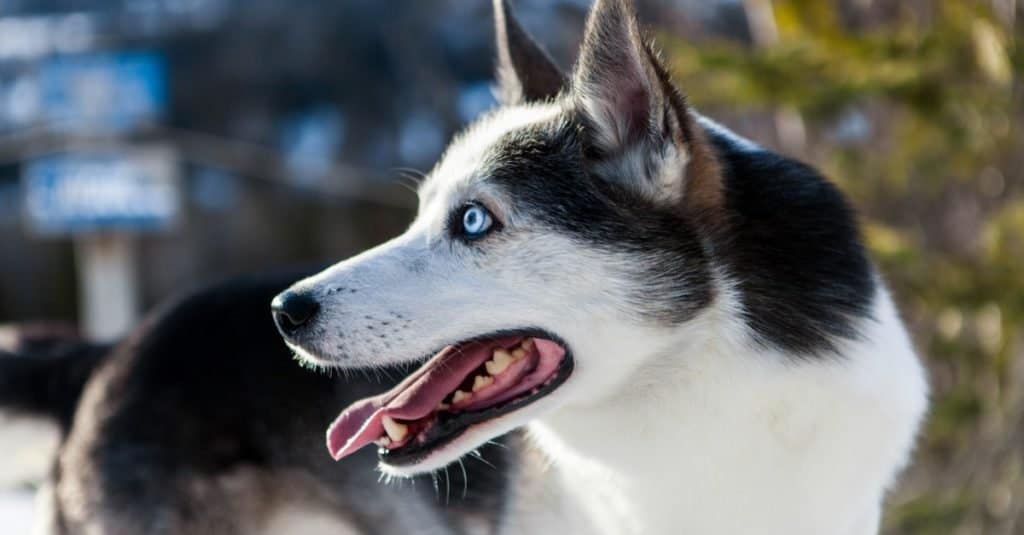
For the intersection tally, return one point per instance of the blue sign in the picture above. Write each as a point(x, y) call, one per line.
point(113, 91)
point(126, 191)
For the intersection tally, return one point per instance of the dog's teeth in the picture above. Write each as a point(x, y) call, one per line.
point(383, 442)
point(443, 406)
point(518, 353)
point(482, 382)
point(502, 357)
point(498, 365)
point(460, 395)
point(397, 431)
point(527, 344)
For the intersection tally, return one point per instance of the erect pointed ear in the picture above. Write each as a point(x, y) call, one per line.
point(637, 125)
point(525, 71)
point(616, 82)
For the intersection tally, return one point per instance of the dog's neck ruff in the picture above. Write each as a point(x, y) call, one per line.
point(745, 441)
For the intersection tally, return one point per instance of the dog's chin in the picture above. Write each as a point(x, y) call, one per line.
point(308, 359)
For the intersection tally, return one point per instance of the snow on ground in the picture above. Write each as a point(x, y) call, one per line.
point(27, 448)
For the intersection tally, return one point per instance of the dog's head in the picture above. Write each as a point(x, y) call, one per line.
point(560, 242)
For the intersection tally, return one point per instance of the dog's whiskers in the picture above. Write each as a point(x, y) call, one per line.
point(496, 443)
point(478, 456)
point(465, 479)
point(409, 178)
point(447, 487)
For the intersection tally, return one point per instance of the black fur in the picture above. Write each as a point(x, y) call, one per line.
point(44, 377)
point(783, 234)
point(560, 172)
point(203, 391)
point(790, 240)
point(793, 246)
point(544, 169)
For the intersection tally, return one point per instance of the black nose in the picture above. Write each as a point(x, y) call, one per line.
point(292, 310)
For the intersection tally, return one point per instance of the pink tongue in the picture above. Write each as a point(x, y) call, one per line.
point(415, 397)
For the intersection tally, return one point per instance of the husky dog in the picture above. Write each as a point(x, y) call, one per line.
point(198, 423)
point(686, 322)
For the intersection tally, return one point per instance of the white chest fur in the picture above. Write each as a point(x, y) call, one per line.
point(726, 440)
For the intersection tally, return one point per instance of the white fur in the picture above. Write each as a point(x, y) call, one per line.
point(465, 154)
point(718, 437)
point(689, 430)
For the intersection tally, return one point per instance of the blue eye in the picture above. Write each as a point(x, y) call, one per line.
point(476, 221)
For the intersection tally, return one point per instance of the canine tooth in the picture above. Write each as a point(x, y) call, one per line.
point(482, 382)
point(518, 353)
point(395, 430)
point(459, 396)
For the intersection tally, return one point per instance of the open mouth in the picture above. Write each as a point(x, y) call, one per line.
point(463, 385)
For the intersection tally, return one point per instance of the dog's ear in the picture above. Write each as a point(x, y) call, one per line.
point(525, 72)
point(636, 124)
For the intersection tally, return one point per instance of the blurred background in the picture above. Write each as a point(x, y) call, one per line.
point(149, 146)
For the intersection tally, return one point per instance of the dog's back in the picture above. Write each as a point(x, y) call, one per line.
point(200, 422)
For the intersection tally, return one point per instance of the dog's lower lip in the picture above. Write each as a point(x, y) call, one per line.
point(463, 385)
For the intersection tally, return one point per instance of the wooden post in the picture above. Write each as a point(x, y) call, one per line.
point(108, 283)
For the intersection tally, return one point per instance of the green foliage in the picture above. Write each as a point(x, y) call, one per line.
point(931, 515)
